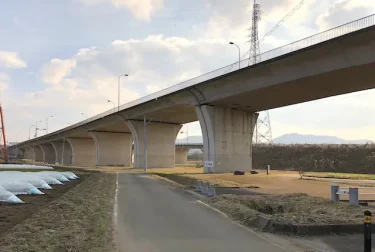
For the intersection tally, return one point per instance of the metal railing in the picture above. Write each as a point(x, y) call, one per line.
point(188, 144)
point(277, 52)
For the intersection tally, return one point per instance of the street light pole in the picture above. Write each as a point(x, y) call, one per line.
point(239, 54)
point(84, 115)
point(145, 122)
point(118, 91)
point(29, 131)
point(187, 134)
point(36, 129)
point(114, 105)
point(47, 123)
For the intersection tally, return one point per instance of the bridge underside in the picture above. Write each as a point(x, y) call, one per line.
point(225, 107)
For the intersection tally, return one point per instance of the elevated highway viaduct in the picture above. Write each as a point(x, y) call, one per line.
point(225, 104)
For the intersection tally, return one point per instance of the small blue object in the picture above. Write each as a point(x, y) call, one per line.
point(14, 199)
point(35, 191)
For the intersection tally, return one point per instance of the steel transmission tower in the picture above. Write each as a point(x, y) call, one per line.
point(263, 133)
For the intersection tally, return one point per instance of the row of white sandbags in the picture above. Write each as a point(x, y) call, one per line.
point(16, 183)
point(24, 166)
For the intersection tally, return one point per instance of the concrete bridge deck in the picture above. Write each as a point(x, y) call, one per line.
point(224, 102)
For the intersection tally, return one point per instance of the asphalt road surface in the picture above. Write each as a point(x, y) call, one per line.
point(153, 216)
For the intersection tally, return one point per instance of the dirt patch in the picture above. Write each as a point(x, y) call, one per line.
point(299, 209)
point(78, 220)
point(12, 214)
point(179, 178)
point(190, 179)
point(339, 175)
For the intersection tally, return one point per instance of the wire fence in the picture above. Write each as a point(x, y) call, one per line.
point(277, 52)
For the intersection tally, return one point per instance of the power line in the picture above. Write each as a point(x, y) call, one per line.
point(283, 20)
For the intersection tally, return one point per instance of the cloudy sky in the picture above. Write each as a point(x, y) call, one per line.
point(62, 58)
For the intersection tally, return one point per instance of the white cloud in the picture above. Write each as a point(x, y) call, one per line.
point(87, 79)
point(83, 82)
point(57, 69)
point(4, 80)
point(343, 11)
point(11, 60)
point(141, 9)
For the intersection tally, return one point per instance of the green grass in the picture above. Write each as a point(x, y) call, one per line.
point(338, 175)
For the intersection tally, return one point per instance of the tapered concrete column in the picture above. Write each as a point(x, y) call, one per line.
point(38, 153)
point(112, 148)
point(63, 152)
point(49, 154)
point(161, 138)
point(29, 153)
point(83, 151)
point(227, 138)
point(181, 155)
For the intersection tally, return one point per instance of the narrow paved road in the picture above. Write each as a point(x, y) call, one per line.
point(153, 216)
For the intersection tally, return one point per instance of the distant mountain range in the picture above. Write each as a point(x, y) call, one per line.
point(295, 138)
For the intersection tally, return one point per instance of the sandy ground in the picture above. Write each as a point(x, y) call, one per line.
point(278, 182)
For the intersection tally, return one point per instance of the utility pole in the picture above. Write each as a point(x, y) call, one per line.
point(263, 131)
point(3, 149)
point(36, 129)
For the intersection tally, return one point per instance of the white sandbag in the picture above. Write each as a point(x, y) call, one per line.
point(60, 177)
point(38, 183)
point(28, 177)
point(50, 180)
point(6, 175)
point(68, 175)
point(6, 196)
point(18, 187)
point(24, 166)
point(74, 175)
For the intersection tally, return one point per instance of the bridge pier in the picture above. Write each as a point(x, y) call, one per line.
point(83, 151)
point(67, 152)
point(160, 140)
point(49, 155)
point(181, 155)
point(112, 148)
point(227, 138)
point(38, 153)
point(28, 153)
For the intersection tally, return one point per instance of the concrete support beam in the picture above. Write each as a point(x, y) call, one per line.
point(227, 138)
point(83, 151)
point(112, 148)
point(38, 153)
point(29, 153)
point(49, 154)
point(63, 152)
point(161, 138)
point(181, 155)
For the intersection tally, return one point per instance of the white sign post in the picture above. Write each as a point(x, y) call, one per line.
point(209, 165)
